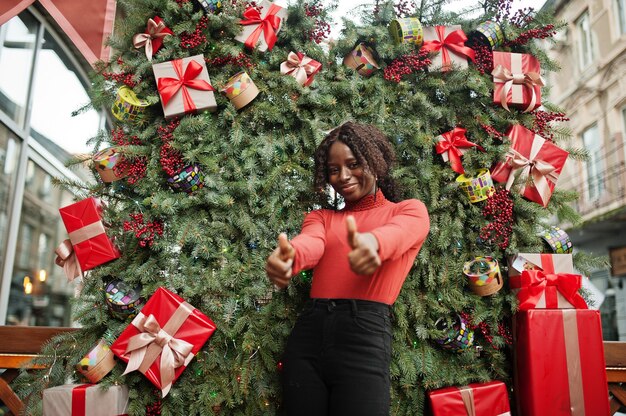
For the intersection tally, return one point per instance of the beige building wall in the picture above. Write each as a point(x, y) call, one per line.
point(591, 89)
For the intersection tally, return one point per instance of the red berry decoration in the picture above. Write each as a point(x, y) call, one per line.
point(144, 232)
point(122, 77)
point(242, 60)
point(405, 65)
point(135, 167)
point(483, 59)
point(541, 125)
point(538, 33)
point(197, 38)
point(171, 159)
point(321, 28)
point(499, 210)
point(491, 131)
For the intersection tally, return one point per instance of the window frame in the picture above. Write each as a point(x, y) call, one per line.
point(584, 43)
point(594, 166)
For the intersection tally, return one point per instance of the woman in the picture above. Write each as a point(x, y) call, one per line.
point(337, 358)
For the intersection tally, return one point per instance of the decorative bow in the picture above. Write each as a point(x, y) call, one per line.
point(168, 87)
point(538, 171)
point(152, 341)
point(268, 25)
point(301, 67)
point(455, 42)
point(66, 258)
point(528, 80)
point(152, 39)
point(534, 283)
point(450, 143)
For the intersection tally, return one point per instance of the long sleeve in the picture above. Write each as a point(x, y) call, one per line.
point(310, 243)
point(406, 229)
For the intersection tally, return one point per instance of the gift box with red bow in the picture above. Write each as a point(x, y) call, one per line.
point(452, 145)
point(85, 399)
point(152, 39)
point(163, 338)
point(559, 363)
point(88, 245)
point(545, 281)
point(516, 81)
point(184, 86)
point(536, 161)
point(260, 28)
point(447, 43)
point(476, 399)
point(301, 67)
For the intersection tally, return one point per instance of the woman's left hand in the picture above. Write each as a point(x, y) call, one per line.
point(363, 257)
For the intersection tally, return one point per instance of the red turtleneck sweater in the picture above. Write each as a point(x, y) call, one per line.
point(400, 229)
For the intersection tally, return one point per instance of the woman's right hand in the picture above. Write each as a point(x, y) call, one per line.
point(278, 264)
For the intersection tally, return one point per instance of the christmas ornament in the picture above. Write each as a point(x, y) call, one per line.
point(452, 145)
point(104, 163)
point(517, 81)
point(484, 275)
point(240, 90)
point(266, 22)
point(489, 34)
point(123, 300)
point(300, 67)
point(145, 232)
point(557, 240)
point(405, 65)
point(407, 30)
point(362, 59)
point(197, 37)
point(499, 211)
point(447, 43)
point(97, 363)
point(188, 180)
point(128, 107)
point(478, 188)
point(210, 6)
point(458, 336)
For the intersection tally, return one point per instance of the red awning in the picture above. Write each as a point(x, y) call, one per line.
point(86, 23)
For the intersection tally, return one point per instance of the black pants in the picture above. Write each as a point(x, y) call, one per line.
point(337, 360)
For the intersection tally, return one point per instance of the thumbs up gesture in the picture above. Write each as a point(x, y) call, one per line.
point(278, 264)
point(363, 257)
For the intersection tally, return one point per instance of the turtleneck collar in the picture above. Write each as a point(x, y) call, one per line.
point(367, 202)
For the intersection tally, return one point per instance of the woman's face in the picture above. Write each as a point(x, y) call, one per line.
point(346, 175)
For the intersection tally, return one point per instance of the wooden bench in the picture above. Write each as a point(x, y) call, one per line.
point(615, 357)
point(18, 346)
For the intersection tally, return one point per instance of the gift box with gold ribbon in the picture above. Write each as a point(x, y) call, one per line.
point(476, 399)
point(240, 90)
point(97, 363)
point(559, 364)
point(533, 162)
point(362, 59)
point(447, 47)
point(163, 338)
point(184, 86)
point(260, 28)
point(300, 67)
point(88, 245)
point(516, 81)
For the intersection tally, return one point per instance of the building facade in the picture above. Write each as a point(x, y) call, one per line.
point(43, 81)
point(591, 88)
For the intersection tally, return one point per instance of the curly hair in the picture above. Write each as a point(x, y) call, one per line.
point(370, 147)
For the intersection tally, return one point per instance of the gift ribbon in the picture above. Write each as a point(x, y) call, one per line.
point(573, 359)
point(539, 171)
point(168, 87)
point(467, 395)
point(152, 341)
point(152, 38)
point(516, 77)
point(534, 284)
point(454, 42)
point(79, 399)
point(300, 67)
point(66, 256)
point(268, 25)
point(451, 142)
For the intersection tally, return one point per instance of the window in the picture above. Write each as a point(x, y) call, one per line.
point(595, 172)
point(9, 156)
point(585, 41)
point(624, 131)
point(620, 15)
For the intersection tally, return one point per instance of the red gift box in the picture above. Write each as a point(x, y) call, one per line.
point(88, 240)
point(152, 39)
point(516, 81)
point(545, 281)
point(477, 399)
point(163, 338)
point(559, 363)
point(537, 162)
point(301, 67)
